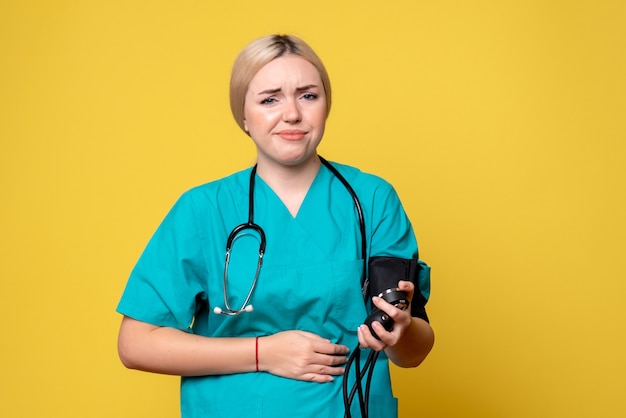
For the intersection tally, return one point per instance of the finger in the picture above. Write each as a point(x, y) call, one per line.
point(401, 320)
point(381, 303)
point(367, 340)
point(317, 378)
point(408, 287)
point(361, 336)
point(329, 360)
point(326, 347)
point(321, 374)
point(394, 312)
point(330, 371)
point(387, 338)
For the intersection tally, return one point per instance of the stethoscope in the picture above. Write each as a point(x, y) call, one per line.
point(250, 225)
point(354, 359)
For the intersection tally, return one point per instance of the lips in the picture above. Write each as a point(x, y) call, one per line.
point(292, 134)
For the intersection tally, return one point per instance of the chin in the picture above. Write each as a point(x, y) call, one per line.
point(294, 158)
point(300, 160)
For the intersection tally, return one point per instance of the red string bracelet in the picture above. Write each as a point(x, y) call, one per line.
point(256, 352)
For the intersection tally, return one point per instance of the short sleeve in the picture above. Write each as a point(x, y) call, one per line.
point(391, 231)
point(167, 282)
point(393, 236)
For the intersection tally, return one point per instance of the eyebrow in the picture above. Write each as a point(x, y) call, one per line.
point(298, 89)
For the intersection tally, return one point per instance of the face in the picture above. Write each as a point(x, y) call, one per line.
point(285, 111)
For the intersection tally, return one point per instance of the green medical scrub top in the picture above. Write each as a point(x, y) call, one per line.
point(310, 280)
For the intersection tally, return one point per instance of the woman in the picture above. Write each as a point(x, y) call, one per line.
point(268, 333)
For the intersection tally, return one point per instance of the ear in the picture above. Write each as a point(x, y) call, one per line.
point(245, 126)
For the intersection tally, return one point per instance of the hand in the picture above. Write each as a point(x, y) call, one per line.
point(401, 319)
point(301, 355)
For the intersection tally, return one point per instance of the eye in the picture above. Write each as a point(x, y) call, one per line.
point(268, 100)
point(309, 96)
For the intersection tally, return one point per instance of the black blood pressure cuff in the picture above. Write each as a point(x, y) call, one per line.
point(386, 272)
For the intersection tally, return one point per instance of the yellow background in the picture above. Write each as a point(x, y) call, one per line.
point(501, 124)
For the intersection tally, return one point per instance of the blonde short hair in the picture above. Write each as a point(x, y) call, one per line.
point(260, 52)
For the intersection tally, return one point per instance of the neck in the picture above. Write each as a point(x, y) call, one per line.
point(289, 176)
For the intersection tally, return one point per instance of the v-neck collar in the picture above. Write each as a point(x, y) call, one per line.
point(314, 189)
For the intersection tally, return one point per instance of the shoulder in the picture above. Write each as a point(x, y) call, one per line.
point(211, 197)
point(376, 195)
point(219, 189)
point(364, 184)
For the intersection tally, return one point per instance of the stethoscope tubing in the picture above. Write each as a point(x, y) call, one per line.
point(354, 358)
point(229, 311)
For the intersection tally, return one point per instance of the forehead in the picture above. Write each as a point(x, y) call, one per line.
point(286, 70)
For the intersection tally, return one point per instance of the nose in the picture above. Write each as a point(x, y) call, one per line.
point(292, 113)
